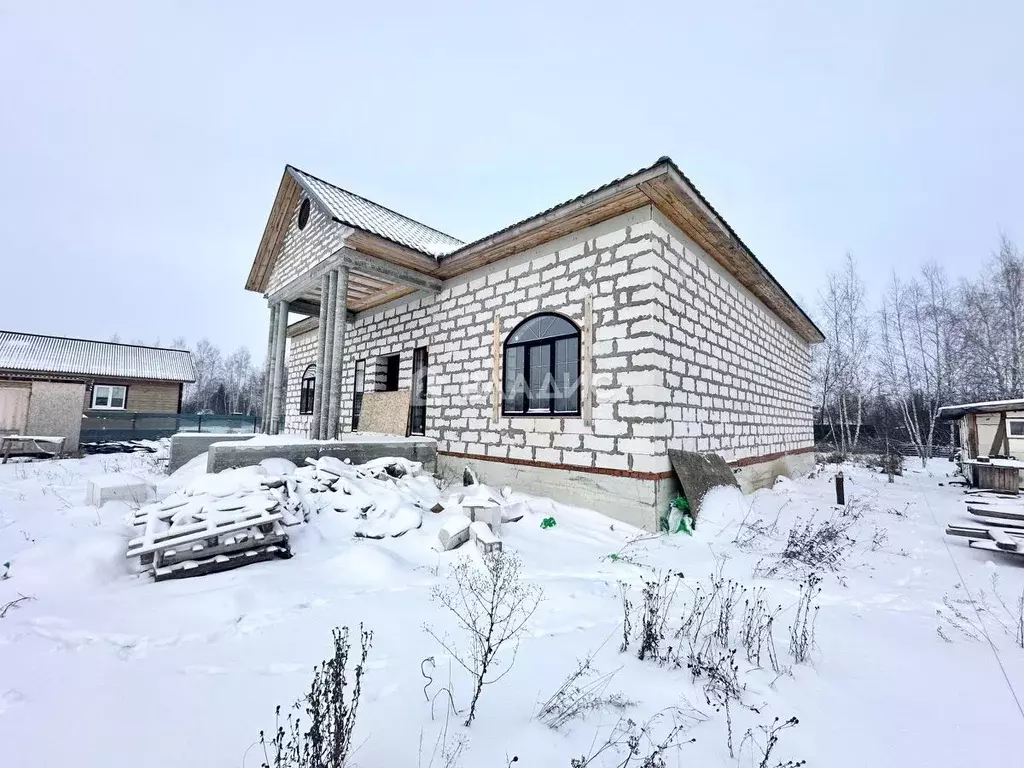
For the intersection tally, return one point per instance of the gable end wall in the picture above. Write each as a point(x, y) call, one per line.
point(305, 248)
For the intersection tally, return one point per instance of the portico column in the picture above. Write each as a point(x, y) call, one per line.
point(328, 300)
point(321, 374)
point(338, 355)
point(277, 403)
point(268, 382)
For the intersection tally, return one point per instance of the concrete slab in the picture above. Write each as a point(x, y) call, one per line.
point(698, 473)
point(227, 455)
point(185, 446)
point(117, 487)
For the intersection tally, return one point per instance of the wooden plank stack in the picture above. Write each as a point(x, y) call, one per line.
point(996, 524)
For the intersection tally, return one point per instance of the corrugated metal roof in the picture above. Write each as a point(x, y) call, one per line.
point(56, 354)
point(949, 412)
point(357, 211)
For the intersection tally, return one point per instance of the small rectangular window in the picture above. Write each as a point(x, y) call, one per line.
point(1017, 429)
point(109, 397)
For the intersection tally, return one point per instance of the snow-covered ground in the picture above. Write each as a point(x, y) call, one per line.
point(105, 669)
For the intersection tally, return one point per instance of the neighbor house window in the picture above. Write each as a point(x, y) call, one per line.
point(109, 396)
point(1016, 428)
point(307, 389)
point(542, 367)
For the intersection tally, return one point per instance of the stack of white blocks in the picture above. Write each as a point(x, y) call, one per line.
point(481, 524)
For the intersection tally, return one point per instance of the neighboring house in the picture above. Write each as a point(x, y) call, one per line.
point(48, 383)
point(564, 354)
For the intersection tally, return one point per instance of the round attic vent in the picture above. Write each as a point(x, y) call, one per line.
point(304, 213)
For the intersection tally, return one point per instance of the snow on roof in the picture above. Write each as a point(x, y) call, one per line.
point(56, 354)
point(991, 406)
point(357, 211)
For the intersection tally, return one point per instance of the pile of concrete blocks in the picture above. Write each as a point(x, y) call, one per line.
point(480, 523)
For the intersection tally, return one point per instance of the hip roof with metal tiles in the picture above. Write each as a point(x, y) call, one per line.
point(56, 354)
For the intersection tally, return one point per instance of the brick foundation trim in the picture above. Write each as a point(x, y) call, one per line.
point(746, 462)
point(616, 472)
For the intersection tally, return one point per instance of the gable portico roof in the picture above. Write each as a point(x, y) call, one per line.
point(661, 184)
point(356, 211)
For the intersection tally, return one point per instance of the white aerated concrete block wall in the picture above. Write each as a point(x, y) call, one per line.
point(738, 378)
point(683, 357)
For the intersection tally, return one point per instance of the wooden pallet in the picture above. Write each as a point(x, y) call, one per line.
point(1004, 540)
point(218, 563)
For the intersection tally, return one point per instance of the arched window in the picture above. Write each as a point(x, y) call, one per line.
point(307, 389)
point(542, 367)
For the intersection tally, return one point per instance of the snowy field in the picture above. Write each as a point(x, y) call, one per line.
point(105, 669)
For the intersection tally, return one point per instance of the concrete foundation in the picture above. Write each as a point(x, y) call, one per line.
point(633, 501)
point(185, 446)
point(227, 455)
point(762, 474)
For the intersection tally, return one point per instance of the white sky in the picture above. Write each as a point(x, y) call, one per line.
point(141, 146)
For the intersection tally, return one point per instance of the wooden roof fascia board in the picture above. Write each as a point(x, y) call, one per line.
point(784, 304)
point(454, 264)
point(684, 207)
point(273, 234)
point(388, 250)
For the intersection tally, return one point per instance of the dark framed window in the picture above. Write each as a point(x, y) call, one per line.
point(307, 389)
point(391, 375)
point(357, 393)
point(304, 213)
point(418, 402)
point(542, 368)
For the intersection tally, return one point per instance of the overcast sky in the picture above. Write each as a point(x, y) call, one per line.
point(141, 147)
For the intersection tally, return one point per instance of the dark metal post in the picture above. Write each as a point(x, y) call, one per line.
point(840, 490)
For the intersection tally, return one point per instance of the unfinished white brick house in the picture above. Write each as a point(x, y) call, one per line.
point(564, 354)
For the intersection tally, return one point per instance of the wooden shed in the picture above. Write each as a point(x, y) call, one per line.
point(989, 433)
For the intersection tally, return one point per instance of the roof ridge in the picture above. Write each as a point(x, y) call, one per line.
point(95, 341)
point(373, 202)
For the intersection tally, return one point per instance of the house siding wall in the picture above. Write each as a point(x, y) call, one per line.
point(143, 396)
point(304, 248)
point(683, 356)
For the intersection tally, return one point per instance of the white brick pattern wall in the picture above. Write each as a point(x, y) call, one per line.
point(682, 355)
point(306, 247)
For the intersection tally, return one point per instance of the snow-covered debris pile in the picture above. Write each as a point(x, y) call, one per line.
point(211, 522)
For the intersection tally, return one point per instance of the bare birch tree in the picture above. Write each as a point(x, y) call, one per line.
point(917, 334)
point(845, 373)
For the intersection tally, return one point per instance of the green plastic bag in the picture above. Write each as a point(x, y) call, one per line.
point(548, 522)
point(677, 519)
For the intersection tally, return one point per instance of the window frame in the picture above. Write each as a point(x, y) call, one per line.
point(526, 346)
point(110, 397)
point(307, 391)
point(1009, 427)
